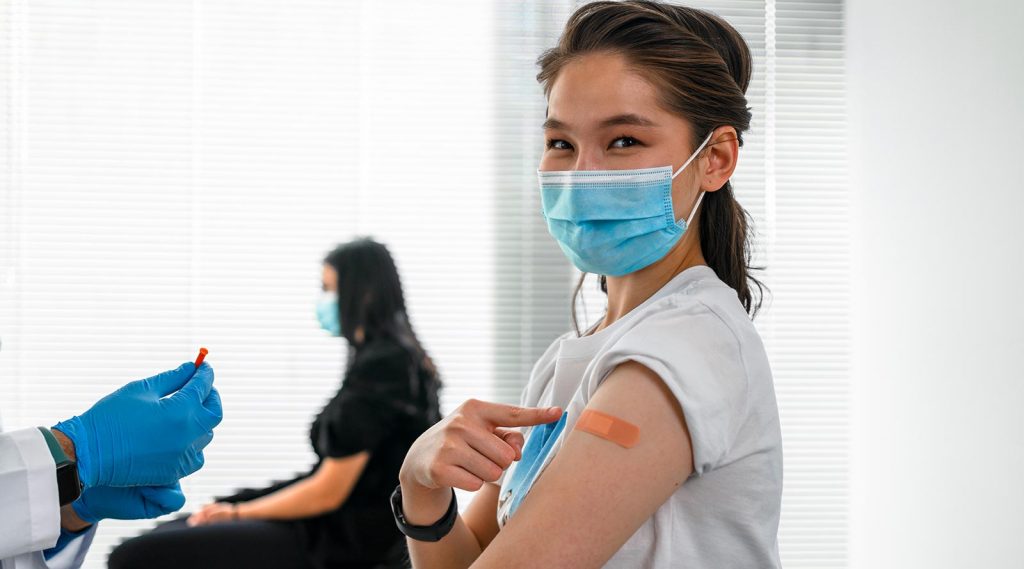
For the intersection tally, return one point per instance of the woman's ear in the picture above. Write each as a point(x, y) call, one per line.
point(720, 158)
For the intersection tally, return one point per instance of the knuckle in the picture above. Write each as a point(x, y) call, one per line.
point(493, 473)
point(198, 460)
point(435, 471)
point(213, 418)
point(457, 424)
point(507, 456)
point(447, 448)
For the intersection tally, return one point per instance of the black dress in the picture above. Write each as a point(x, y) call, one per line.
point(386, 401)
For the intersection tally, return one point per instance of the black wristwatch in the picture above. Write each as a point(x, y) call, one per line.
point(435, 532)
point(69, 487)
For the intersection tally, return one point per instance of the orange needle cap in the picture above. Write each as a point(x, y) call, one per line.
point(202, 356)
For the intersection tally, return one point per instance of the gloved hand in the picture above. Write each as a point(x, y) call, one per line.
point(150, 432)
point(138, 503)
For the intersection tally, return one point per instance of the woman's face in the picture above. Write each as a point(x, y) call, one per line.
point(330, 279)
point(604, 116)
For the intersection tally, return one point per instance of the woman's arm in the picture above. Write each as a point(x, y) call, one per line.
point(468, 449)
point(595, 494)
point(472, 532)
point(322, 492)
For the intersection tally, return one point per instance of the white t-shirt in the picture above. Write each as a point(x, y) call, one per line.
point(696, 336)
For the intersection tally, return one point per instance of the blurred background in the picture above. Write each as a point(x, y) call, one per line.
point(172, 173)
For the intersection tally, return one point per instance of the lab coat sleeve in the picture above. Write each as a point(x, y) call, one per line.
point(29, 505)
point(70, 556)
point(73, 548)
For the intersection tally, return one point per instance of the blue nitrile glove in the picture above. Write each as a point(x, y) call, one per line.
point(150, 432)
point(138, 503)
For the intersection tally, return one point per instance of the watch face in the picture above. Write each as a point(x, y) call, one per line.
point(396, 505)
point(69, 487)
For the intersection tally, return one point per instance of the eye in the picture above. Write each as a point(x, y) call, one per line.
point(558, 144)
point(624, 142)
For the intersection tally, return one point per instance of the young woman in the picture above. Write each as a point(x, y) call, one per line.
point(678, 462)
point(337, 515)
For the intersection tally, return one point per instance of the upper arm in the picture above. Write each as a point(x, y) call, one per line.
point(335, 477)
point(595, 494)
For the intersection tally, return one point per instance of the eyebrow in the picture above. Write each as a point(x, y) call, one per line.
point(618, 120)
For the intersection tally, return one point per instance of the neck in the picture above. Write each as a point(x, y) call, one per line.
point(629, 291)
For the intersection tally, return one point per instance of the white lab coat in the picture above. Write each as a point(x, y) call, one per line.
point(29, 506)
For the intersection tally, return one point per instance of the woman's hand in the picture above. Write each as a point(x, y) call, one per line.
point(216, 512)
point(471, 446)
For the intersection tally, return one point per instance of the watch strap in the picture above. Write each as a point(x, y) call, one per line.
point(69, 487)
point(59, 457)
point(432, 533)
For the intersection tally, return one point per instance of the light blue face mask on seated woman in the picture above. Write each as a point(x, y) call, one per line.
point(614, 222)
point(327, 313)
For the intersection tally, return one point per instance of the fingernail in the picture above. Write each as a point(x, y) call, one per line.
point(554, 410)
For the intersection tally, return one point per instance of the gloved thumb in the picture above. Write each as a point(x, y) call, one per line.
point(168, 382)
point(162, 500)
point(198, 387)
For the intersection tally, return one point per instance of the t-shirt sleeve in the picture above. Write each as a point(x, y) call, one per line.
point(698, 357)
point(372, 403)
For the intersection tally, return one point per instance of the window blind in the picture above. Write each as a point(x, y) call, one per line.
point(175, 172)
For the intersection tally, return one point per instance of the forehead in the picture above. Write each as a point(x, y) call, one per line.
point(596, 86)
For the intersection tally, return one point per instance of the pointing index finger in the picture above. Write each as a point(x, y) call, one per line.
point(501, 415)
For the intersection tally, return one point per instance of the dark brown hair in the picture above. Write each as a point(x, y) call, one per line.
point(701, 66)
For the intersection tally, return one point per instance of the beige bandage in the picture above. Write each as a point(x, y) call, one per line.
point(610, 428)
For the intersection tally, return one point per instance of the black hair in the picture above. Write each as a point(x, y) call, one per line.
point(370, 297)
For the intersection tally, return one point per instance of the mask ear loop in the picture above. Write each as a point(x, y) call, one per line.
point(695, 206)
point(683, 167)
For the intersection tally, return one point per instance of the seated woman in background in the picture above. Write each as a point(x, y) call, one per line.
point(338, 514)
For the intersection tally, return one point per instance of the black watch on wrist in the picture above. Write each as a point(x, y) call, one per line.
point(69, 487)
point(435, 532)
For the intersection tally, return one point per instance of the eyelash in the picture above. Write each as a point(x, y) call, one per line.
point(635, 142)
point(552, 141)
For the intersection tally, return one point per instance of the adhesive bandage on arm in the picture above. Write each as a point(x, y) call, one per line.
point(609, 428)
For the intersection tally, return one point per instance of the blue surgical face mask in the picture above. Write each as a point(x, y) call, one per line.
point(327, 313)
point(614, 222)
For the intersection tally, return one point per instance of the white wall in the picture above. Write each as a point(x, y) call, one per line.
point(937, 139)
